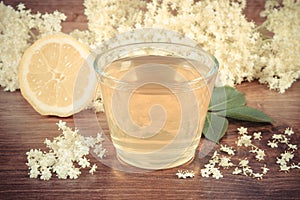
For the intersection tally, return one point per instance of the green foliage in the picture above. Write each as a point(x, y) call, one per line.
point(227, 102)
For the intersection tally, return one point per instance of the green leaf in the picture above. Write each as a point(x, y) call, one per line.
point(246, 113)
point(214, 127)
point(228, 102)
point(225, 98)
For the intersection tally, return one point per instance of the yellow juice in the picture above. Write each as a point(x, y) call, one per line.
point(155, 107)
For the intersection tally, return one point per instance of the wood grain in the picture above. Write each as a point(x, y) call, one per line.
point(21, 129)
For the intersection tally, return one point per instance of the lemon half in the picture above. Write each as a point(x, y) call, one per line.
point(56, 75)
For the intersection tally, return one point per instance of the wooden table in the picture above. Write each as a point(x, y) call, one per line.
point(21, 129)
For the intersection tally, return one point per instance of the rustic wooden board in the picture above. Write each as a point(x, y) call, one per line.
point(21, 129)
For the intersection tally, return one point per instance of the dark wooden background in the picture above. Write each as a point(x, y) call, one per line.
point(21, 129)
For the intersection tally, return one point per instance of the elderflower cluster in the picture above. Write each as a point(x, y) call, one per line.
point(245, 140)
point(234, 42)
point(220, 27)
point(66, 157)
point(288, 154)
point(18, 30)
point(211, 168)
point(242, 168)
point(279, 60)
point(218, 161)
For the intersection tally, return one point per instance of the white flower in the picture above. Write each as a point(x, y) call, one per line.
point(244, 140)
point(277, 137)
point(216, 173)
point(46, 174)
point(61, 125)
point(284, 139)
point(210, 165)
point(34, 173)
point(287, 156)
point(292, 146)
point(237, 171)
point(294, 166)
point(48, 159)
point(34, 154)
point(260, 154)
point(215, 155)
point(21, 6)
point(189, 174)
point(289, 131)
point(244, 162)
point(257, 135)
point(205, 172)
point(180, 174)
point(73, 173)
point(99, 138)
point(284, 168)
point(281, 161)
point(90, 141)
point(64, 150)
point(242, 130)
point(99, 151)
point(93, 169)
point(225, 162)
point(257, 176)
point(185, 174)
point(254, 149)
point(61, 169)
point(247, 171)
point(228, 150)
point(265, 169)
point(272, 144)
point(83, 162)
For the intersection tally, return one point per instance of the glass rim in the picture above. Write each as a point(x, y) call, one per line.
point(212, 69)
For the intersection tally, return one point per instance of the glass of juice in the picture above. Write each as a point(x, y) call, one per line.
point(156, 96)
